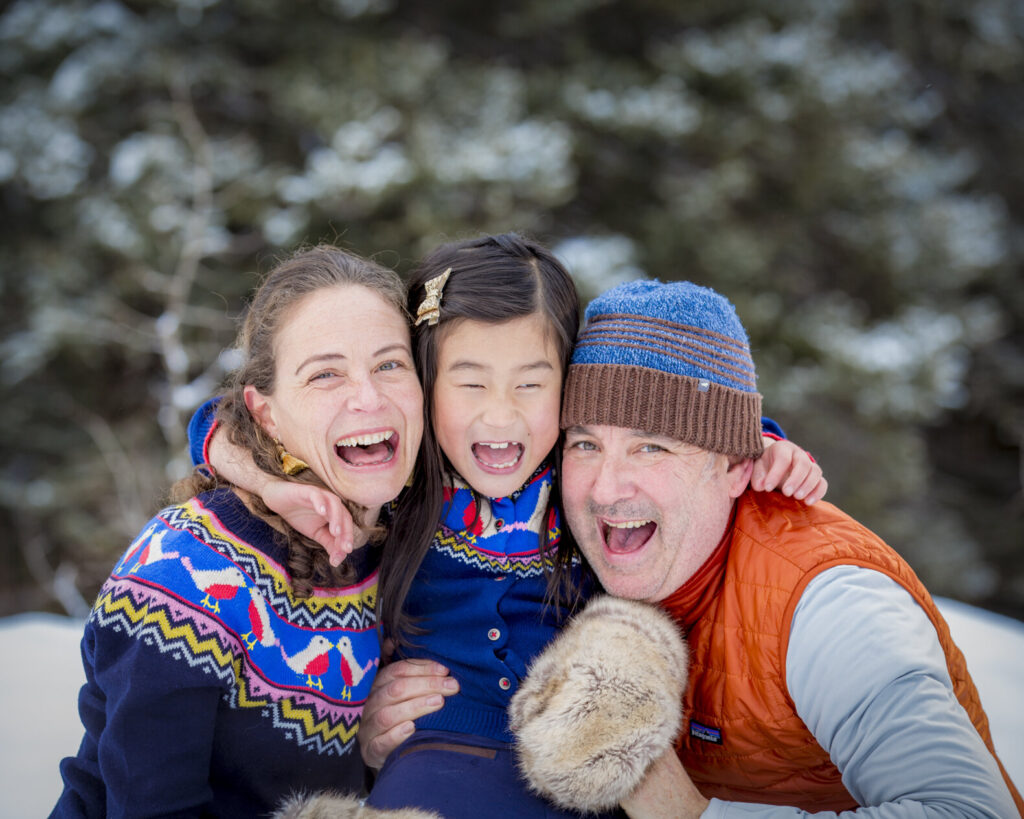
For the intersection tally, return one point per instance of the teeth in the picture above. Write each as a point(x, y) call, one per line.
point(365, 440)
point(502, 445)
point(627, 524)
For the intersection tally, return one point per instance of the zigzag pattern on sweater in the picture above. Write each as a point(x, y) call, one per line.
point(456, 546)
point(173, 627)
point(357, 606)
point(193, 590)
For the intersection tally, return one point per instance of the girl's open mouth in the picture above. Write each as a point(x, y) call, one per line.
point(371, 449)
point(498, 456)
point(625, 536)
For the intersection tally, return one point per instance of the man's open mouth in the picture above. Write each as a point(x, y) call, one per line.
point(498, 455)
point(625, 536)
point(371, 449)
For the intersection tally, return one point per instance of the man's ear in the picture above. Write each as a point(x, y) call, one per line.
point(259, 405)
point(737, 476)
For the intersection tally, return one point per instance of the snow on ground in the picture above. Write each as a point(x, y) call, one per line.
point(42, 672)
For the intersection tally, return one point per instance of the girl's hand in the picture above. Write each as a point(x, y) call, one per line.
point(787, 467)
point(316, 513)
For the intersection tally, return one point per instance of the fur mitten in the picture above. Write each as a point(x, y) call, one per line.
point(328, 805)
point(600, 704)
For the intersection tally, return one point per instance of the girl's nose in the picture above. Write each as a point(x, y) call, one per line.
point(499, 412)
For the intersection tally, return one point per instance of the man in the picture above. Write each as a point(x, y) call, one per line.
point(822, 677)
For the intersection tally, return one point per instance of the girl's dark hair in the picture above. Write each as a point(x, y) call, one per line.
point(289, 283)
point(493, 279)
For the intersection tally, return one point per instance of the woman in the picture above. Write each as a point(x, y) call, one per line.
point(227, 661)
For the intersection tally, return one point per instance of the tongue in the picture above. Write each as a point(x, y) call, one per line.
point(622, 541)
point(365, 455)
point(489, 456)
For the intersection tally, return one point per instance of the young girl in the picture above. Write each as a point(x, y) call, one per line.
point(478, 573)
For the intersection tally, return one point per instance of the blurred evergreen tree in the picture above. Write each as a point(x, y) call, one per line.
point(848, 173)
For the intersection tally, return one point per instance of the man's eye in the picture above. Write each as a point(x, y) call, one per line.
point(585, 446)
point(652, 448)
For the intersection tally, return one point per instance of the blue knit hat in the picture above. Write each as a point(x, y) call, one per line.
point(667, 358)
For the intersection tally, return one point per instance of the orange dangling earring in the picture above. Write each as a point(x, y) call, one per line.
point(289, 463)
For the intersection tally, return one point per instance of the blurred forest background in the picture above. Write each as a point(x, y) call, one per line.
point(850, 174)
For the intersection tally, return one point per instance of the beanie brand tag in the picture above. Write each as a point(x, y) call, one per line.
point(705, 733)
point(703, 385)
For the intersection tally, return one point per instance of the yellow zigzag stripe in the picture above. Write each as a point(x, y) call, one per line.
point(211, 646)
point(282, 586)
point(297, 713)
point(460, 546)
point(208, 646)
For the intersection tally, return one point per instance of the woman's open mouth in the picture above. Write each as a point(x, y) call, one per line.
point(370, 449)
point(498, 456)
point(625, 536)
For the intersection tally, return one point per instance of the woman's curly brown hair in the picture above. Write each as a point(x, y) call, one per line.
point(285, 286)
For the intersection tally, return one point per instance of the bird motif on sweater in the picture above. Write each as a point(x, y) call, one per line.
point(313, 661)
point(351, 672)
point(261, 630)
point(136, 545)
point(152, 552)
point(216, 584)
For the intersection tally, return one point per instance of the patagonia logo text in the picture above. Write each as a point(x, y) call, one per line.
point(705, 732)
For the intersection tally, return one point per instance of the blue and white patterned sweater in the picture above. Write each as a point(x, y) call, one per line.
point(210, 688)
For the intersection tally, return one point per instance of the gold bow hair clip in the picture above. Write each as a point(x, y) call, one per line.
point(430, 308)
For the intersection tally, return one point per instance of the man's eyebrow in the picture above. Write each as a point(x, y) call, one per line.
point(643, 433)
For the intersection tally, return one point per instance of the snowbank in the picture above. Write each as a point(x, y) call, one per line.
point(42, 672)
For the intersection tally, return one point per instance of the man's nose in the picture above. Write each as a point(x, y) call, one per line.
point(612, 482)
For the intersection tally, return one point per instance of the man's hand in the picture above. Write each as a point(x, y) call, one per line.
point(403, 691)
point(317, 513)
point(667, 792)
point(786, 466)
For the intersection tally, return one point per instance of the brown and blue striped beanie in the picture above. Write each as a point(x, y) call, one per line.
point(668, 358)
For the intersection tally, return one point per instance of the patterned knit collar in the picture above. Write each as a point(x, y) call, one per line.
point(243, 524)
point(479, 517)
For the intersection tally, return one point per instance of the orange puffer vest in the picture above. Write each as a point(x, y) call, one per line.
point(742, 739)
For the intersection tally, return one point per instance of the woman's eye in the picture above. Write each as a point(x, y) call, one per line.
point(322, 376)
point(389, 365)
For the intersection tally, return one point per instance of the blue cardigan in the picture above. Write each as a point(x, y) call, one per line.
point(480, 593)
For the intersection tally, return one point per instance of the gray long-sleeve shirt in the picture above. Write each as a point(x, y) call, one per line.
point(869, 679)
